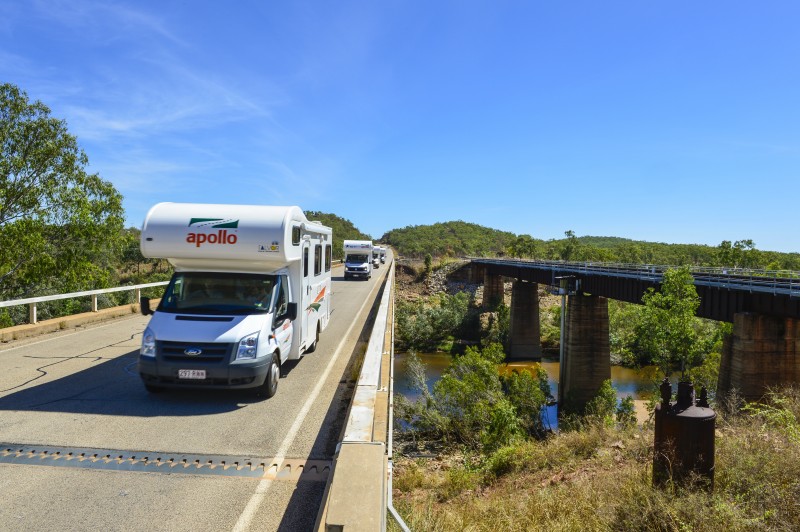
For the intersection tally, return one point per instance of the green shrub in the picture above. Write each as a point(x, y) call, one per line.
point(626, 412)
point(424, 325)
point(499, 327)
point(528, 394)
point(604, 404)
point(504, 426)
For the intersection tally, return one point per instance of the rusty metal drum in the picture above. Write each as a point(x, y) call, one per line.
point(684, 438)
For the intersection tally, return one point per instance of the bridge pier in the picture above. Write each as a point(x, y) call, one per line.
point(587, 355)
point(492, 290)
point(762, 352)
point(524, 336)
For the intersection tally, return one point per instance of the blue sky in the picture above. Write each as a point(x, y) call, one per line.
point(662, 121)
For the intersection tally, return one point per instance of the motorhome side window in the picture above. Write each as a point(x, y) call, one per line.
point(317, 259)
point(305, 262)
point(295, 236)
point(282, 302)
point(328, 258)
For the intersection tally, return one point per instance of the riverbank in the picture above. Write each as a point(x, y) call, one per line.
point(599, 478)
point(596, 475)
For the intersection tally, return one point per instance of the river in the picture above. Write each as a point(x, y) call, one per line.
point(638, 384)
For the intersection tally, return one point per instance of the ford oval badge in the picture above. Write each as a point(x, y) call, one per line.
point(192, 351)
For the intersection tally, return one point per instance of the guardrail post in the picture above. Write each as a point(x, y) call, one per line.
point(94, 303)
point(32, 313)
point(137, 296)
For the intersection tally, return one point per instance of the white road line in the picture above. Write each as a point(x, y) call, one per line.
point(261, 490)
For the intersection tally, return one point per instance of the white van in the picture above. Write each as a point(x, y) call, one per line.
point(383, 255)
point(251, 290)
point(357, 258)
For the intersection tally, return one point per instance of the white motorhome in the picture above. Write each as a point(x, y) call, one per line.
point(383, 255)
point(357, 258)
point(376, 256)
point(251, 290)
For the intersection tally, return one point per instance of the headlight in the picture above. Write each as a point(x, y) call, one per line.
point(248, 347)
point(148, 344)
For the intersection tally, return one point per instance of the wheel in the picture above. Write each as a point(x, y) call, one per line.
point(313, 346)
point(152, 388)
point(270, 385)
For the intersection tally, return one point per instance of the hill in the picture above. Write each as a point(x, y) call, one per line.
point(461, 239)
point(456, 239)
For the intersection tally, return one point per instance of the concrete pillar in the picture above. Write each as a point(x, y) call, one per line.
point(587, 356)
point(763, 351)
point(492, 290)
point(525, 338)
point(474, 274)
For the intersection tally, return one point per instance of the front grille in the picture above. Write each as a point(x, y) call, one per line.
point(212, 353)
point(203, 318)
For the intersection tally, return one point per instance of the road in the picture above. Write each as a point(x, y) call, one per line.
point(78, 392)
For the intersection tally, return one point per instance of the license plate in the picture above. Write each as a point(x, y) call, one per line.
point(191, 374)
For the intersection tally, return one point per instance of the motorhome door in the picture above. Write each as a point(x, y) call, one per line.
point(307, 296)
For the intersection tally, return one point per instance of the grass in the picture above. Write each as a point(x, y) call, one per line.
point(599, 478)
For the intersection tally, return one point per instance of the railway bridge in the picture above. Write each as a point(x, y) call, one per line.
point(764, 307)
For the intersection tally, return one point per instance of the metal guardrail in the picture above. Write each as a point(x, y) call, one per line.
point(768, 281)
point(32, 301)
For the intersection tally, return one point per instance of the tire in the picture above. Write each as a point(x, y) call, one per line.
point(313, 346)
point(270, 386)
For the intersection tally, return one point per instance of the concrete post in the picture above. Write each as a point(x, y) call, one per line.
point(763, 351)
point(525, 338)
point(492, 290)
point(587, 356)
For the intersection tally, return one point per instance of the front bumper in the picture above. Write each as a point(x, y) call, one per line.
point(162, 370)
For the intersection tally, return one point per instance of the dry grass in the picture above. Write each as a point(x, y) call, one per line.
point(599, 479)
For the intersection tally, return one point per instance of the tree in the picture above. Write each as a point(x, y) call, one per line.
point(59, 225)
point(740, 254)
point(667, 328)
point(570, 246)
point(523, 246)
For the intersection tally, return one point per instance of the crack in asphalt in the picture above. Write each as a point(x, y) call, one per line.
point(44, 373)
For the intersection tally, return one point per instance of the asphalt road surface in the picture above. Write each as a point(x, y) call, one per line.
point(85, 447)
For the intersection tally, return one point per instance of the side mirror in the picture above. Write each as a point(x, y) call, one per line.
point(291, 311)
point(144, 306)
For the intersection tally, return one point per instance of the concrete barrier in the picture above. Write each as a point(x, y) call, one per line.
point(357, 490)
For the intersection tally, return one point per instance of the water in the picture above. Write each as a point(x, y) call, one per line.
point(628, 382)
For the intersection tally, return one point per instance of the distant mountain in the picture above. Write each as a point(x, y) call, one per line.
point(343, 229)
point(456, 239)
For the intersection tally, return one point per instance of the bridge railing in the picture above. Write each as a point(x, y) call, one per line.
point(359, 492)
point(755, 280)
point(33, 301)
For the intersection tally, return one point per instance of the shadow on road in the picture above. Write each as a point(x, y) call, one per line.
point(304, 505)
point(113, 388)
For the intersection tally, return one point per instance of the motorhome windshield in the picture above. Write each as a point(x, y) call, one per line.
point(358, 259)
point(218, 293)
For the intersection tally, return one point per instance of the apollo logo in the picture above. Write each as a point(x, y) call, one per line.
point(222, 236)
